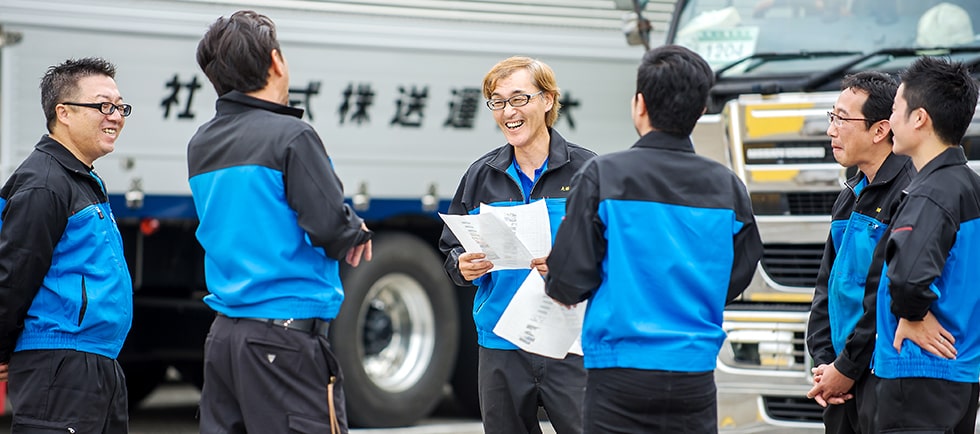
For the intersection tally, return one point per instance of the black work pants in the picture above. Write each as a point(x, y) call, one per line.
point(59, 391)
point(260, 378)
point(514, 383)
point(856, 415)
point(630, 401)
point(926, 406)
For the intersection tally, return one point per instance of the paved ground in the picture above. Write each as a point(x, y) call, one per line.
point(172, 410)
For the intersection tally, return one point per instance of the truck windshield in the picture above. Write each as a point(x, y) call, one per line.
point(746, 38)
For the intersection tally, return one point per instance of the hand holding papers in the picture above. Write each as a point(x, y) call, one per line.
point(537, 324)
point(510, 236)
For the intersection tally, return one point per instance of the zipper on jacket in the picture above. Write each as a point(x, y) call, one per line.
point(81, 312)
point(99, 210)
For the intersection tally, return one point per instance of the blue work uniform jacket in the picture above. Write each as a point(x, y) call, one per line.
point(930, 265)
point(492, 179)
point(658, 239)
point(64, 282)
point(839, 330)
point(273, 222)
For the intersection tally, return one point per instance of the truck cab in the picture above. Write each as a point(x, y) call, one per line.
point(778, 66)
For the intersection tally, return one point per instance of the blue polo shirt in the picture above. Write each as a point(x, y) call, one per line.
point(526, 183)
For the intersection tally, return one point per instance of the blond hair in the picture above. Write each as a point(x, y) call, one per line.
point(541, 74)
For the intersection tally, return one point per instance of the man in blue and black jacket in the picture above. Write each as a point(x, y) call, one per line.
point(840, 331)
point(658, 239)
point(537, 163)
point(274, 228)
point(66, 296)
point(927, 353)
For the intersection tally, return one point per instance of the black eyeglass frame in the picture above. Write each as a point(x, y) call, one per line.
point(503, 102)
point(106, 108)
point(831, 116)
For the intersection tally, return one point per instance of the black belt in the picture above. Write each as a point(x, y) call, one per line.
point(314, 326)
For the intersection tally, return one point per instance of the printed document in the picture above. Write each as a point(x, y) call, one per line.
point(538, 324)
point(510, 236)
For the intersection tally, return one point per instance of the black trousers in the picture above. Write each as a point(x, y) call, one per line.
point(260, 378)
point(630, 401)
point(856, 415)
point(926, 406)
point(59, 391)
point(514, 383)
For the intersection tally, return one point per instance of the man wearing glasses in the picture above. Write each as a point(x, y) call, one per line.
point(65, 291)
point(537, 163)
point(840, 335)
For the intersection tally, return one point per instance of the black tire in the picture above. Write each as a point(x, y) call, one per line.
point(399, 307)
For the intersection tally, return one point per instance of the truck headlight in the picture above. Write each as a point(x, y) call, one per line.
point(764, 347)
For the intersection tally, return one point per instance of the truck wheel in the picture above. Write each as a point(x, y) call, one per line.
point(396, 333)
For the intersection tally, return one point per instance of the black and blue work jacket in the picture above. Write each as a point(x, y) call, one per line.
point(658, 240)
point(839, 330)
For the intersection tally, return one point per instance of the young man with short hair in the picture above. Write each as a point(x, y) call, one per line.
point(927, 353)
point(658, 239)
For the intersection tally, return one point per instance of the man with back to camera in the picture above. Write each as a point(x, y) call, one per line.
point(274, 228)
point(927, 352)
point(66, 296)
point(537, 163)
point(840, 333)
point(658, 239)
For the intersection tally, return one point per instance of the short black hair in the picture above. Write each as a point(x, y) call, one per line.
point(235, 52)
point(675, 82)
point(880, 88)
point(60, 82)
point(946, 91)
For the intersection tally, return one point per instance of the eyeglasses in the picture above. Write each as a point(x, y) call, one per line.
point(514, 101)
point(106, 108)
point(838, 121)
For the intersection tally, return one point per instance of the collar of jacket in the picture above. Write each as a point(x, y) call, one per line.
point(890, 168)
point(62, 155)
point(950, 157)
point(237, 102)
point(662, 140)
point(557, 154)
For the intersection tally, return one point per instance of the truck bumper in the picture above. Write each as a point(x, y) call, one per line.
point(763, 374)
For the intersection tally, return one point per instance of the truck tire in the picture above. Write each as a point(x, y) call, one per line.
point(396, 334)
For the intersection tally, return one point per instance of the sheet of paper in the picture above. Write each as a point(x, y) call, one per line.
point(488, 234)
point(538, 324)
point(530, 222)
point(510, 236)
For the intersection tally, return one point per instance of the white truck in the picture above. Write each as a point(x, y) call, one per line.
point(394, 89)
point(778, 66)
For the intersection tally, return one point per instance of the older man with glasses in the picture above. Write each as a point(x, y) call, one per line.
point(840, 334)
point(66, 297)
point(536, 164)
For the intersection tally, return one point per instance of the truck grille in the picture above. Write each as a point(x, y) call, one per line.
point(793, 409)
point(789, 152)
point(792, 264)
point(762, 346)
point(794, 203)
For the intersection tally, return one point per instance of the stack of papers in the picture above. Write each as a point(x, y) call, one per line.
point(511, 237)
